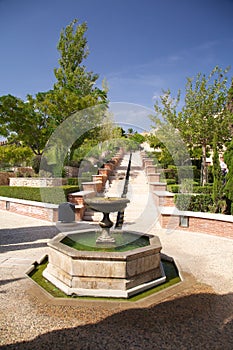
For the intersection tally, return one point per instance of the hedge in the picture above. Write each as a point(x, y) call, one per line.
point(199, 202)
point(181, 172)
point(55, 195)
point(195, 189)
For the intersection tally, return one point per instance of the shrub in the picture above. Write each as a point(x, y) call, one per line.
point(170, 181)
point(195, 189)
point(171, 172)
point(203, 189)
point(202, 202)
point(182, 201)
point(185, 172)
point(72, 181)
point(86, 177)
point(178, 173)
point(174, 188)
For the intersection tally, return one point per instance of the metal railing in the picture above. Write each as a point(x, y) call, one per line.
point(120, 214)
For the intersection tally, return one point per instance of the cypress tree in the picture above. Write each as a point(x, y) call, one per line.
point(217, 193)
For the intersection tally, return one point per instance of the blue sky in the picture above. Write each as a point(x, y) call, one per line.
point(140, 46)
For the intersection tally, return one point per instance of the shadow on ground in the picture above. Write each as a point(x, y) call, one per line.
point(25, 237)
point(30, 237)
point(197, 321)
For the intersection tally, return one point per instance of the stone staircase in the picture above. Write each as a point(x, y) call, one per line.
point(145, 191)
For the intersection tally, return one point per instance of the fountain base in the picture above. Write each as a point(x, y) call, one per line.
point(106, 292)
point(103, 273)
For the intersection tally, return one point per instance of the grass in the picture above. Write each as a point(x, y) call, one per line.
point(169, 268)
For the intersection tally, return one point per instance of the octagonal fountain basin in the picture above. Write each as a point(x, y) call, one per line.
point(104, 271)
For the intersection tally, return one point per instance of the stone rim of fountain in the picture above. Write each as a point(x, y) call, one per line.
point(103, 273)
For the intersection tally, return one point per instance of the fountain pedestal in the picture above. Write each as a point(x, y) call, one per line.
point(105, 236)
point(106, 205)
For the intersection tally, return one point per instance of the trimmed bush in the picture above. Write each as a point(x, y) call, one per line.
point(203, 189)
point(179, 173)
point(196, 189)
point(199, 202)
point(72, 181)
point(54, 195)
point(170, 181)
point(182, 201)
point(86, 176)
point(174, 188)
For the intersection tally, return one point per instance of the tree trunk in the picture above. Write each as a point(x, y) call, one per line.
point(204, 173)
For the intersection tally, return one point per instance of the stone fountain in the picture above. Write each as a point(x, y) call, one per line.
point(101, 268)
point(106, 205)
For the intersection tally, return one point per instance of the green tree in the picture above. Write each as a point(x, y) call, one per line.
point(228, 189)
point(74, 88)
point(21, 122)
point(139, 138)
point(217, 194)
point(33, 122)
point(162, 154)
point(203, 115)
point(230, 98)
point(15, 155)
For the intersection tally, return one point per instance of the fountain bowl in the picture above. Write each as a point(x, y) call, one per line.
point(107, 204)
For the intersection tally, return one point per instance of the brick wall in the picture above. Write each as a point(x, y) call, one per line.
point(48, 214)
point(161, 200)
point(38, 210)
point(28, 208)
point(222, 228)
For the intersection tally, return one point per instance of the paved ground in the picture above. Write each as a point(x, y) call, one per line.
point(196, 315)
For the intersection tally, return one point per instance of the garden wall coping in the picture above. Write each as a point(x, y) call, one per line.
point(210, 216)
point(34, 203)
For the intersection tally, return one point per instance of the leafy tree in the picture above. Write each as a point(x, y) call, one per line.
point(13, 154)
point(162, 154)
point(203, 115)
point(217, 194)
point(139, 138)
point(21, 122)
point(74, 91)
point(230, 98)
point(228, 189)
point(75, 87)
point(33, 122)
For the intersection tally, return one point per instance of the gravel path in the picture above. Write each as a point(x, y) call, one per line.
point(197, 316)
